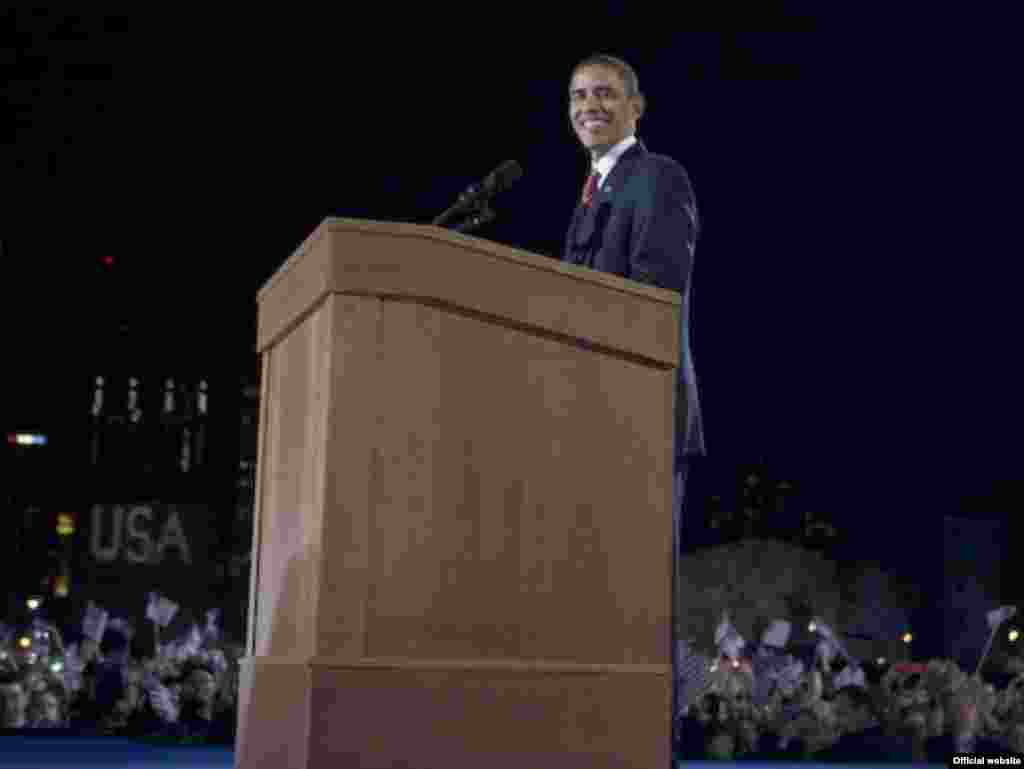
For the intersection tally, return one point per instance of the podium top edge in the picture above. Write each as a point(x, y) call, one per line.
point(491, 248)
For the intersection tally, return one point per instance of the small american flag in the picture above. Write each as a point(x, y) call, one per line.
point(694, 674)
point(160, 610)
point(94, 624)
point(997, 617)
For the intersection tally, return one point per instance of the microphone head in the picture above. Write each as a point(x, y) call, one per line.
point(504, 176)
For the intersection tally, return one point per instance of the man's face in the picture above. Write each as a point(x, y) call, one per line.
point(51, 708)
point(204, 687)
point(600, 112)
point(33, 680)
point(90, 650)
point(129, 701)
point(17, 702)
point(1016, 738)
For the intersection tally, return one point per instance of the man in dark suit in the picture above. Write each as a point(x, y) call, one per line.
point(637, 218)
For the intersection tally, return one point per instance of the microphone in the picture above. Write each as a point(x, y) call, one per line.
point(476, 195)
point(501, 178)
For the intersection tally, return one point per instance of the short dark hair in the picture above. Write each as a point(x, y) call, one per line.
point(191, 666)
point(625, 71)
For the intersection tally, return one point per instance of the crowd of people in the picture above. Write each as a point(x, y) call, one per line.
point(105, 683)
point(764, 702)
point(771, 705)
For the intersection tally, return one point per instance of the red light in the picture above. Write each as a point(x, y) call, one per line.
point(108, 261)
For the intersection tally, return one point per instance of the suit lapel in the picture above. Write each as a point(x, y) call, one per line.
point(571, 254)
point(585, 222)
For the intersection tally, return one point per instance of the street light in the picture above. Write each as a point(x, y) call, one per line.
point(33, 603)
point(61, 586)
point(1013, 635)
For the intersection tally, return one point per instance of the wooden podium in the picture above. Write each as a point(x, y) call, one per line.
point(463, 533)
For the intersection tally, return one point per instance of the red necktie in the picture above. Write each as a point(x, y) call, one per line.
point(589, 187)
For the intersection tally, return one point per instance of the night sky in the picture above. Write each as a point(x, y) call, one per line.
point(856, 291)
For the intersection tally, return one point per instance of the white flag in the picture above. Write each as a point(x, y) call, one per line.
point(768, 664)
point(822, 629)
point(151, 607)
point(724, 626)
point(213, 624)
point(825, 651)
point(42, 636)
point(160, 610)
point(694, 674)
point(997, 617)
point(777, 634)
point(168, 609)
point(94, 625)
point(733, 645)
point(122, 626)
point(163, 703)
point(788, 678)
point(850, 676)
point(193, 641)
point(218, 660)
point(73, 667)
point(835, 646)
point(729, 641)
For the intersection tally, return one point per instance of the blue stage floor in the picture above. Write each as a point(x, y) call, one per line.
point(106, 753)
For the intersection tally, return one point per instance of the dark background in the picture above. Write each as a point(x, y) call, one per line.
point(856, 291)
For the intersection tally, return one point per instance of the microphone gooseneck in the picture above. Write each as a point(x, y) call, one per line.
point(476, 196)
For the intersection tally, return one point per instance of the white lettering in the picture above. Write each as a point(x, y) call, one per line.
point(144, 552)
point(112, 535)
point(174, 536)
point(100, 553)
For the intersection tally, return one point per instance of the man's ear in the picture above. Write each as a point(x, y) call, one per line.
point(639, 105)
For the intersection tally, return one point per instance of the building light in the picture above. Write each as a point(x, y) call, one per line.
point(186, 450)
point(26, 439)
point(61, 585)
point(24, 642)
point(97, 397)
point(65, 524)
point(169, 396)
point(134, 412)
point(33, 603)
point(907, 638)
point(1013, 635)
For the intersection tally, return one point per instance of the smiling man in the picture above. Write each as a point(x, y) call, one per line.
point(637, 217)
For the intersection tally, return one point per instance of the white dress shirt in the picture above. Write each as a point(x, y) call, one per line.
point(607, 162)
